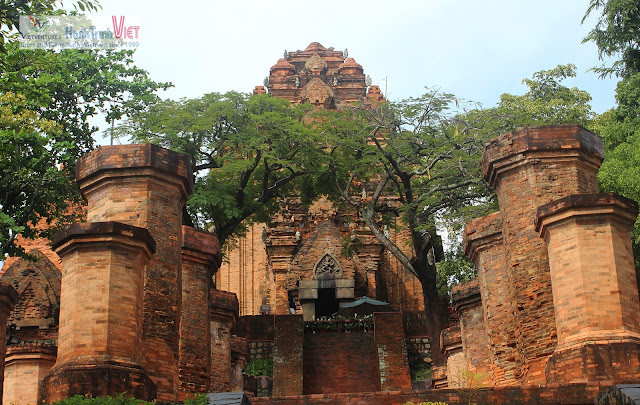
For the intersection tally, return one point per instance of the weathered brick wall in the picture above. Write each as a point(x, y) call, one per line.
point(466, 300)
point(26, 365)
point(200, 259)
point(100, 332)
point(575, 394)
point(530, 167)
point(8, 299)
point(483, 243)
point(594, 286)
point(288, 355)
point(392, 351)
point(146, 186)
point(223, 312)
point(340, 362)
point(255, 328)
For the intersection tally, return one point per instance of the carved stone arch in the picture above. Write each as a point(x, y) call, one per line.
point(327, 268)
point(317, 92)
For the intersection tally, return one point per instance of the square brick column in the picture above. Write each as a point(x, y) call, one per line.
point(530, 167)
point(8, 300)
point(146, 186)
point(595, 289)
point(482, 243)
point(200, 260)
point(100, 331)
point(223, 314)
point(393, 363)
point(288, 355)
point(467, 303)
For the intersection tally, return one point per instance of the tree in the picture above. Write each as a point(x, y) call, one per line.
point(418, 160)
point(617, 33)
point(48, 100)
point(246, 151)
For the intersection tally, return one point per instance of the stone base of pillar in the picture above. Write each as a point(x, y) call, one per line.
point(101, 379)
point(606, 362)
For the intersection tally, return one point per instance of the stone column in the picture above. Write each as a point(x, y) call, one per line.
point(482, 243)
point(8, 299)
point(594, 288)
point(223, 313)
point(288, 355)
point(146, 186)
point(467, 303)
point(200, 260)
point(26, 365)
point(100, 330)
point(530, 167)
point(393, 364)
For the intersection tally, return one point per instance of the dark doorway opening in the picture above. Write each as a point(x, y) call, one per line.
point(327, 304)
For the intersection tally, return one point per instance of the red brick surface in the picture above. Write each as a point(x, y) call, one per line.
point(26, 365)
point(340, 362)
point(223, 312)
point(288, 355)
point(146, 186)
point(530, 167)
point(393, 362)
point(8, 299)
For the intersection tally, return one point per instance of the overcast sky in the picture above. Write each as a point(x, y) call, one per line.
point(474, 49)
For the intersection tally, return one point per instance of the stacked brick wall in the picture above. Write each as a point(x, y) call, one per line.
point(595, 288)
point(340, 362)
point(288, 355)
point(449, 374)
point(466, 300)
point(8, 299)
point(392, 351)
point(223, 313)
point(100, 332)
point(200, 259)
point(482, 242)
point(554, 394)
point(146, 186)
point(530, 167)
point(26, 365)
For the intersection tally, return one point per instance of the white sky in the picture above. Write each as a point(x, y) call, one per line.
point(474, 49)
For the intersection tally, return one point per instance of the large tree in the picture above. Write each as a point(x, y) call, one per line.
point(246, 151)
point(419, 160)
point(48, 101)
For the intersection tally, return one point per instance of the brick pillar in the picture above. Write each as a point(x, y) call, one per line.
point(594, 288)
point(223, 313)
point(393, 363)
point(530, 167)
point(287, 355)
point(100, 330)
point(280, 257)
point(451, 344)
point(146, 186)
point(200, 260)
point(467, 303)
point(482, 243)
point(8, 299)
point(26, 365)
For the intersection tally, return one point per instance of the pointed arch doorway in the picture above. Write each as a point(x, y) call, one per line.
point(321, 296)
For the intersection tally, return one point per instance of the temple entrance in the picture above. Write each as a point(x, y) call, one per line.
point(327, 304)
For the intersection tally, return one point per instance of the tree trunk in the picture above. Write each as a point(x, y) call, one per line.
point(432, 308)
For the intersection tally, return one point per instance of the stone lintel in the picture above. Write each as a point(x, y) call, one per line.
point(201, 244)
point(223, 305)
point(451, 339)
point(482, 233)
point(465, 294)
point(8, 296)
point(585, 205)
point(559, 139)
point(96, 232)
point(128, 160)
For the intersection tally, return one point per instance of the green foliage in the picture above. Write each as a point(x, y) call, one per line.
point(616, 34)
point(120, 399)
point(247, 151)
point(453, 269)
point(47, 100)
point(258, 367)
point(420, 371)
